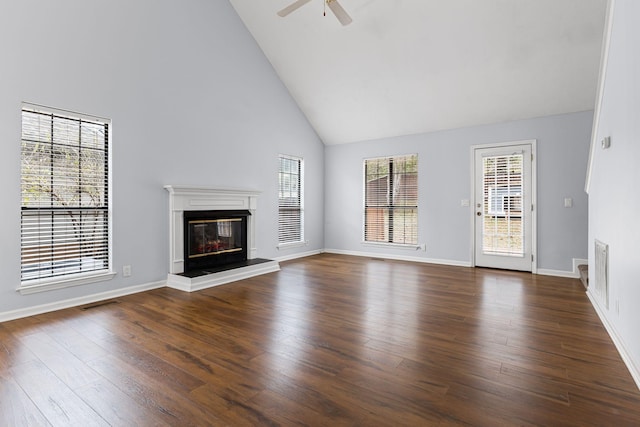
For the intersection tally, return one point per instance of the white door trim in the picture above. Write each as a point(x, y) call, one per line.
point(534, 197)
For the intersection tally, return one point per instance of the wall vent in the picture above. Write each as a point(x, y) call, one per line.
point(602, 272)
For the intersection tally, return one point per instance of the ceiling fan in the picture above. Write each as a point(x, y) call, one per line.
point(335, 7)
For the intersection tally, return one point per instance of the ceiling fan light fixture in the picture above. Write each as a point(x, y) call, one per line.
point(342, 16)
point(339, 11)
point(292, 7)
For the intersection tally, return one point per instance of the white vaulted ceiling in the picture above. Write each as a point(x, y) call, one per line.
point(413, 66)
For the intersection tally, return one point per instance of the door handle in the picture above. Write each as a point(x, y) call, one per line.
point(479, 213)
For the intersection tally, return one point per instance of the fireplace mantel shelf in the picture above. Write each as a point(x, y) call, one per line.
point(196, 190)
point(193, 198)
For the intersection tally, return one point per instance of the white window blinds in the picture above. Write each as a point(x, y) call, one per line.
point(290, 206)
point(391, 200)
point(65, 193)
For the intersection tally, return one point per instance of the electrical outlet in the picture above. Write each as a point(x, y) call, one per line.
point(126, 271)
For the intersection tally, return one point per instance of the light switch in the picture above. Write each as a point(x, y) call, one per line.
point(464, 203)
point(568, 202)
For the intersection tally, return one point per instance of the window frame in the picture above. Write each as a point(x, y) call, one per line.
point(59, 281)
point(300, 207)
point(390, 204)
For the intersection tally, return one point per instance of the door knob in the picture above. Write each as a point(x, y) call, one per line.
point(479, 213)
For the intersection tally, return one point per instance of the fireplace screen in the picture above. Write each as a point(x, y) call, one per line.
point(214, 238)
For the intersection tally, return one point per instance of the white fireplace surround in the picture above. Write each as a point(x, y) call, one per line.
point(192, 198)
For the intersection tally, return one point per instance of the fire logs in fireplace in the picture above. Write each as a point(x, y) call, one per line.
point(214, 238)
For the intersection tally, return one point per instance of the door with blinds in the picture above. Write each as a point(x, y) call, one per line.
point(503, 202)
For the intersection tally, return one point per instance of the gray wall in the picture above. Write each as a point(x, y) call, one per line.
point(193, 102)
point(614, 193)
point(444, 180)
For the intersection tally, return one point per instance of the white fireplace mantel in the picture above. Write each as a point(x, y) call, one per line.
point(190, 198)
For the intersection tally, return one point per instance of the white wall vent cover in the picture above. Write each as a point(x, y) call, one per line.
point(602, 272)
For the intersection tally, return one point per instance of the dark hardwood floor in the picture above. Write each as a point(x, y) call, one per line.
point(329, 340)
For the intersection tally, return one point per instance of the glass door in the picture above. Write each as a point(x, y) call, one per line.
point(503, 229)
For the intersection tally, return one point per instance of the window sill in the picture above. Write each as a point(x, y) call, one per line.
point(393, 245)
point(36, 285)
point(292, 245)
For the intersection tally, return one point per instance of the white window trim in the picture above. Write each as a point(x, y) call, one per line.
point(42, 285)
point(364, 242)
point(33, 286)
point(302, 241)
point(291, 245)
point(393, 245)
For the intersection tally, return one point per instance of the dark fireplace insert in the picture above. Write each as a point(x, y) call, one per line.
point(213, 239)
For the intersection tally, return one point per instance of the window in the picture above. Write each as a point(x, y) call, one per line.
point(391, 200)
point(504, 200)
point(290, 206)
point(65, 197)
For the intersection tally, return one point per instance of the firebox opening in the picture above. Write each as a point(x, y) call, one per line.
point(214, 238)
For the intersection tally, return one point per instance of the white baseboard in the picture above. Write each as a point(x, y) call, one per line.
point(298, 255)
point(74, 302)
point(556, 273)
point(190, 287)
point(575, 274)
point(617, 341)
point(400, 257)
point(89, 299)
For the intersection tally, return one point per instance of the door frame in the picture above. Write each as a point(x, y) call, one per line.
point(534, 197)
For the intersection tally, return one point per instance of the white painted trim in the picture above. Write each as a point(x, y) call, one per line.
point(556, 273)
point(617, 341)
point(575, 274)
point(400, 258)
point(74, 302)
point(298, 255)
point(28, 287)
point(291, 245)
point(604, 60)
point(192, 284)
point(65, 113)
point(576, 263)
point(534, 196)
point(534, 202)
point(393, 245)
point(61, 282)
point(192, 198)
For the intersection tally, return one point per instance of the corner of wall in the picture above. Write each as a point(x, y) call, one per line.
point(604, 58)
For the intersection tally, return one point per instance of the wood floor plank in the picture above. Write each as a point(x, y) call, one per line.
point(328, 340)
point(59, 361)
point(12, 351)
point(57, 402)
point(288, 412)
point(115, 407)
point(124, 347)
point(75, 343)
point(156, 397)
point(229, 410)
point(16, 408)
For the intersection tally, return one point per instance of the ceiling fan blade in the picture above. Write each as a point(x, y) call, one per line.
point(292, 7)
point(340, 13)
